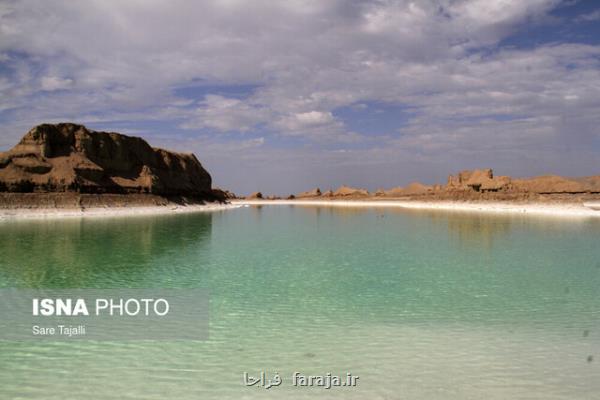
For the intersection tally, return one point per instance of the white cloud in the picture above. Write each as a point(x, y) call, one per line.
point(593, 16)
point(226, 114)
point(313, 118)
point(306, 120)
point(50, 83)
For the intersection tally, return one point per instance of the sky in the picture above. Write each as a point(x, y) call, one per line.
point(285, 96)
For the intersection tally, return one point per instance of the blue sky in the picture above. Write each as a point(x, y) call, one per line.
point(284, 96)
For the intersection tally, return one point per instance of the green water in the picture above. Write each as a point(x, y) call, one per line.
point(419, 305)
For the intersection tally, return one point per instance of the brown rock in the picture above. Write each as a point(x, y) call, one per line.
point(395, 192)
point(32, 165)
point(469, 179)
point(255, 195)
point(590, 183)
point(549, 184)
point(496, 184)
point(350, 191)
point(477, 180)
point(316, 192)
point(68, 157)
point(416, 188)
point(223, 194)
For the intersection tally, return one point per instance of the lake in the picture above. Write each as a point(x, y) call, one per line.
point(417, 304)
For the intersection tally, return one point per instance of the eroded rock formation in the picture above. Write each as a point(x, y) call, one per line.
point(484, 181)
point(478, 180)
point(550, 184)
point(416, 188)
point(254, 196)
point(68, 157)
point(224, 194)
point(350, 191)
point(316, 192)
point(480, 184)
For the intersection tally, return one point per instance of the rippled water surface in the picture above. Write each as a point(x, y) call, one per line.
point(420, 305)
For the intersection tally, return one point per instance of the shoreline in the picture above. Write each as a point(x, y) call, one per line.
point(492, 207)
point(13, 214)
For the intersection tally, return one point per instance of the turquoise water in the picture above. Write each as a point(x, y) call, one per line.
point(419, 305)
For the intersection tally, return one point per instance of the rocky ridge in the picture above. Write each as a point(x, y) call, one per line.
point(479, 184)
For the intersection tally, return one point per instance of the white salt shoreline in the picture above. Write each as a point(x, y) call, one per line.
point(46, 213)
point(543, 209)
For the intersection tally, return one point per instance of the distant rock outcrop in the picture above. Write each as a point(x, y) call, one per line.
point(224, 194)
point(549, 184)
point(482, 184)
point(350, 191)
point(254, 196)
point(467, 185)
point(416, 188)
point(68, 157)
point(316, 192)
point(484, 181)
point(412, 189)
point(478, 180)
point(394, 192)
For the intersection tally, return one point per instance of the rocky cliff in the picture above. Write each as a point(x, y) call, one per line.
point(68, 157)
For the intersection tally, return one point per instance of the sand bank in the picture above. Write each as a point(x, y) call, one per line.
point(43, 213)
point(549, 209)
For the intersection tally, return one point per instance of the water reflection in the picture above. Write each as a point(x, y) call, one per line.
point(97, 252)
point(485, 230)
point(473, 230)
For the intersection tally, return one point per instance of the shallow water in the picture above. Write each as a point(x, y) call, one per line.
point(419, 305)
